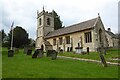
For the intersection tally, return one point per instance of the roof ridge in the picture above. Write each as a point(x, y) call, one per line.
point(73, 28)
point(77, 23)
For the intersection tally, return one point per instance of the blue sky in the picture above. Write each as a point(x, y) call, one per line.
point(23, 12)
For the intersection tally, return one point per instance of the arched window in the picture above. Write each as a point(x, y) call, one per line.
point(48, 21)
point(40, 21)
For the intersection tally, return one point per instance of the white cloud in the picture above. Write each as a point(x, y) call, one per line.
point(23, 12)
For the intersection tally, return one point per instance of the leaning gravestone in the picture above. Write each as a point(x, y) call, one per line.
point(38, 53)
point(103, 60)
point(10, 53)
point(35, 54)
point(101, 51)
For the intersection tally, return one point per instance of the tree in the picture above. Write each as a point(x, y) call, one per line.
point(57, 21)
point(20, 37)
point(3, 34)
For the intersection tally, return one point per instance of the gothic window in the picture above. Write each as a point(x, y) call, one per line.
point(88, 37)
point(67, 39)
point(60, 41)
point(40, 21)
point(54, 42)
point(48, 21)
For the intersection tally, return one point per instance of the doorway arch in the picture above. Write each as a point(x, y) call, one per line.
point(42, 47)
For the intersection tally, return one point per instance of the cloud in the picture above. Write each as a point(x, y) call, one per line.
point(23, 12)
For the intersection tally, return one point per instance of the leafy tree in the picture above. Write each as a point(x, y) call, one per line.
point(57, 21)
point(3, 34)
point(20, 37)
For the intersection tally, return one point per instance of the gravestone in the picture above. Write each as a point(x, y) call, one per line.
point(10, 53)
point(35, 54)
point(101, 52)
point(49, 52)
point(103, 60)
point(54, 55)
point(40, 53)
point(29, 51)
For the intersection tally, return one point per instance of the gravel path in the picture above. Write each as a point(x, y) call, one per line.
point(89, 60)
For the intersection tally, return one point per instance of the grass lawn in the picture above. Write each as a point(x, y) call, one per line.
point(0, 64)
point(23, 66)
point(94, 55)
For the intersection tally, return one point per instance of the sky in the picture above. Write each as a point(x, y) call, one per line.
point(24, 13)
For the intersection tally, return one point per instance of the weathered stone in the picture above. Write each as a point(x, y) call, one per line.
point(29, 51)
point(49, 52)
point(35, 54)
point(103, 60)
point(40, 53)
point(54, 55)
point(10, 53)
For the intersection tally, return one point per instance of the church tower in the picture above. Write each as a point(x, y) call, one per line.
point(45, 24)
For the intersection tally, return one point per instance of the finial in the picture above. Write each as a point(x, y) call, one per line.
point(98, 14)
point(43, 8)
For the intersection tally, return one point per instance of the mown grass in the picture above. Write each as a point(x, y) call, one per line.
point(0, 63)
point(23, 66)
point(112, 53)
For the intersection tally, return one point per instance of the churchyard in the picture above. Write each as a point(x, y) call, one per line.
point(26, 66)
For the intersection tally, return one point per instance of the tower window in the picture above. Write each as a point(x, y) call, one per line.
point(40, 21)
point(48, 21)
point(88, 37)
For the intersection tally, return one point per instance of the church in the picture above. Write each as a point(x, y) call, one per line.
point(87, 34)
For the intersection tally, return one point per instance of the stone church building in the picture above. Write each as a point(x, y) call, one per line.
point(88, 34)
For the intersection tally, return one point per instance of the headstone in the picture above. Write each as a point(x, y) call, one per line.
point(54, 55)
point(10, 53)
point(101, 52)
point(103, 60)
point(49, 53)
point(35, 54)
point(40, 53)
point(29, 51)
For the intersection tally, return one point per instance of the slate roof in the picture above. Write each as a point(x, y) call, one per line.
point(73, 28)
point(112, 34)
